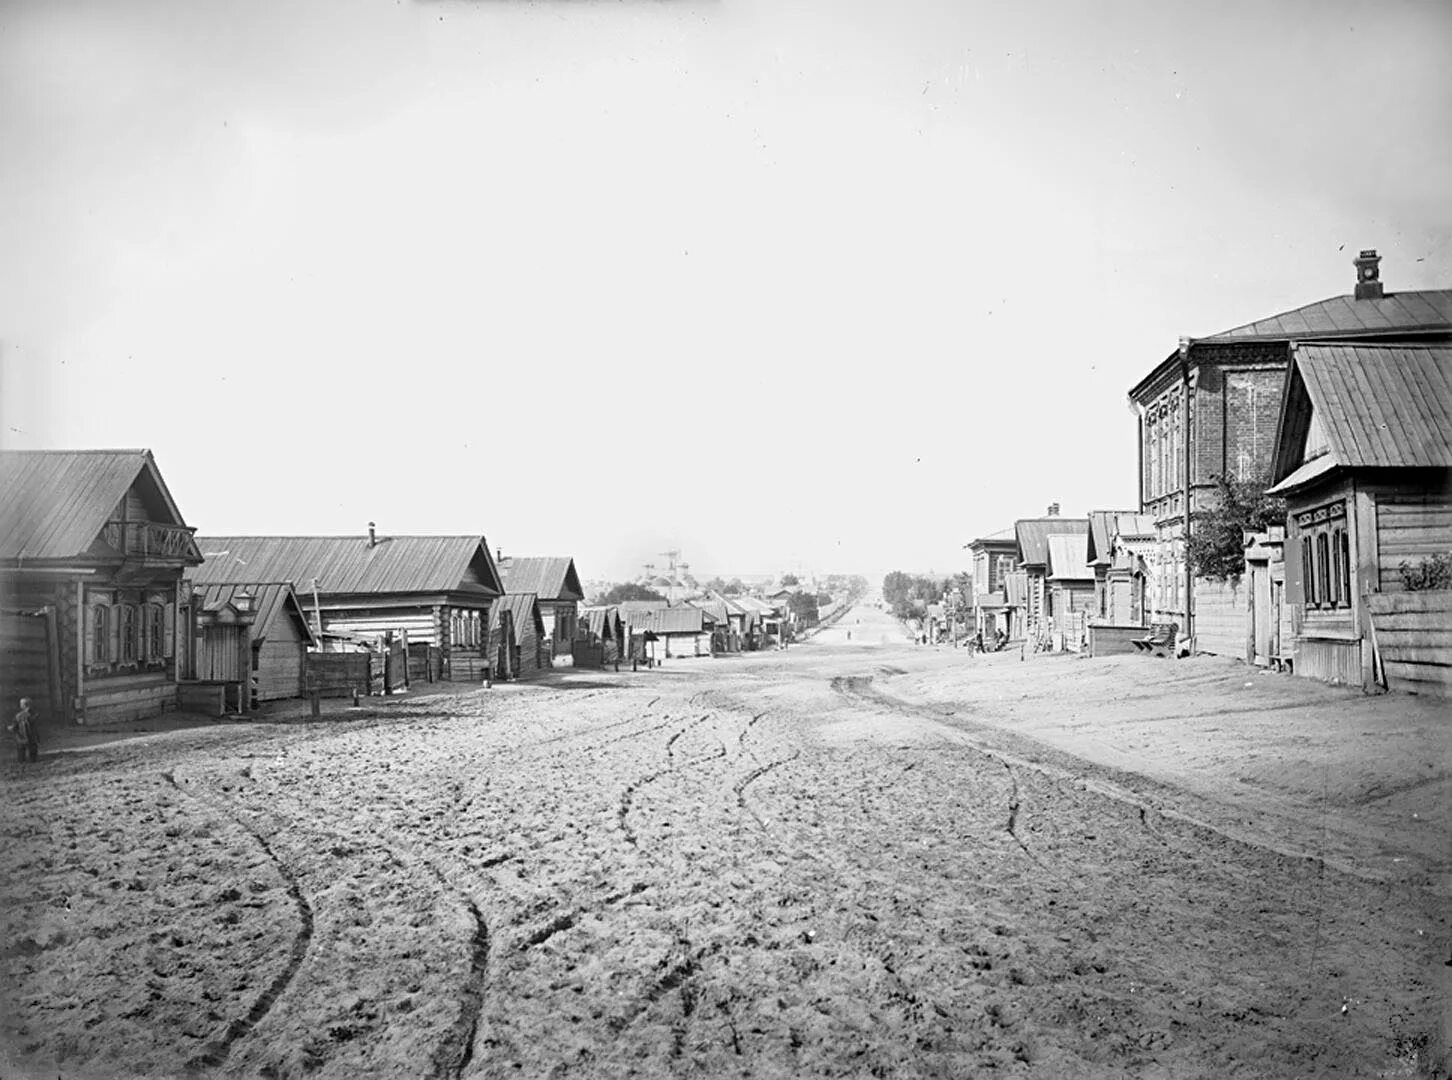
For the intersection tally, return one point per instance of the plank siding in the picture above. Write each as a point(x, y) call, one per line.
point(1414, 638)
point(1409, 530)
point(279, 667)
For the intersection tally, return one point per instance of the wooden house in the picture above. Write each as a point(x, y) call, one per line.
point(1069, 580)
point(503, 648)
point(92, 553)
point(724, 638)
point(532, 651)
point(1364, 459)
point(252, 633)
point(1031, 537)
point(675, 631)
point(606, 628)
point(552, 579)
point(994, 558)
point(434, 590)
point(1230, 386)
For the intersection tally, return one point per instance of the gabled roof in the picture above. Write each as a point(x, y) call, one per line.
point(352, 565)
point(271, 600)
point(1379, 406)
point(1033, 536)
point(550, 577)
point(716, 609)
point(756, 604)
point(1069, 558)
point(1105, 525)
point(601, 621)
point(629, 608)
point(1423, 311)
point(54, 503)
point(524, 607)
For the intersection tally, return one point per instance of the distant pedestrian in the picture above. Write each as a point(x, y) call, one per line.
point(27, 746)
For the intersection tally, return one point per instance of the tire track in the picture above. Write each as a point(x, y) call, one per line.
point(217, 1052)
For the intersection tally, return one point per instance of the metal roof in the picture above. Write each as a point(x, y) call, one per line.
point(1380, 406)
point(351, 565)
point(523, 607)
point(1105, 525)
point(717, 609)
point(550, 577)
point(1345, 316)
point(1069, 558)
point(599, 620)
point(54, 503)
point(681, 620)
point(271, 600)
point(1033, 536)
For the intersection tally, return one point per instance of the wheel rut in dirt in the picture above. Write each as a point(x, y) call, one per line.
point(216, 1053)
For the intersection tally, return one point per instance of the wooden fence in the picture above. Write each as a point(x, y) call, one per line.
point(337, 674)
point(1412, 634)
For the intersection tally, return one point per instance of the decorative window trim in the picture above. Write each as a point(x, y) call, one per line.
point(1325, 557)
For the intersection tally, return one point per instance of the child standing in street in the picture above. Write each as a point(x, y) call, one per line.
point(27, 746)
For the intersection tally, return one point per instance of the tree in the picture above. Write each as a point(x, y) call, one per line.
point(628, 591)
point(790, 579)
point(804, 606)
point(1217, 535)
point(734, 587)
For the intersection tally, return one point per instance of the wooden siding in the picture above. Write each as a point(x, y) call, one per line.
point(129, 698)
point(418, 623)
point(279, 664)
point(1408, 529)
point(1413, 632)
point(1107, 640)
point(336, 674)
point(1331, 660)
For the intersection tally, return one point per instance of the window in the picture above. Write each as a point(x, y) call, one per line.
point(154, 632)
point(99, 641)
point(130, 636)
point(1325, 557)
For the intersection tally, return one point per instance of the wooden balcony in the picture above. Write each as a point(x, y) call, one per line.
point(151, 541)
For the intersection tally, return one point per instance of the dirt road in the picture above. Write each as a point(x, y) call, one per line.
point(850, 858)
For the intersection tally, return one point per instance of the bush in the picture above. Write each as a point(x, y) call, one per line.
point(1433, 572)
point(1217, 537)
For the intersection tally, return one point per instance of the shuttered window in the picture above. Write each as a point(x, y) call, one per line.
point(98, 639)
point(129, 638)
point(1325, 557)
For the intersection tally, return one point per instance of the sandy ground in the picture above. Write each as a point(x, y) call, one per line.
point(849, 858)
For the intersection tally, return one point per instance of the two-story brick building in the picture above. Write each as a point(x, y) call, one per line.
point(1210, 409)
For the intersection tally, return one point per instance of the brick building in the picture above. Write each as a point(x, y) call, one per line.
point(1211, 407)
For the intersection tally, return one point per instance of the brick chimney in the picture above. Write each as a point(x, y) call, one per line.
point(372, 535)
point(1053, 509)
point(1368, 275)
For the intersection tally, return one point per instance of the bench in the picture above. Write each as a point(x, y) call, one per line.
point(1160, 641)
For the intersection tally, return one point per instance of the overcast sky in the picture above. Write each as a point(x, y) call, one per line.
point(822, 283)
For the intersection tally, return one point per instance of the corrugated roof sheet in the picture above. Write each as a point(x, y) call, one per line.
point(271, 600)
point(1033, 536)
point(1381, 405)
point(1069, 558)
point(54, 503)
point(716, 609)
point(1346, 316)
point(350, 565)
point(524, 607)
point(550, 577)
point(631, 608)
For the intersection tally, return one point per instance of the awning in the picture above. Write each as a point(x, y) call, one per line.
point(1316, 467)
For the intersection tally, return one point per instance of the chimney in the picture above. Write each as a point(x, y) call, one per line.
point(1368, 275)
point(1053, 509)
point(372, 536)
point(499, 554)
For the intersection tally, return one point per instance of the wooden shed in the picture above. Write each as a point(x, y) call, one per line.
point(532, 652)
point(278, 636)
point(432, 589)
point(503, 649)
point(553, 581)
point(1364, 460)
point(92, 552)
point(605, 626)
